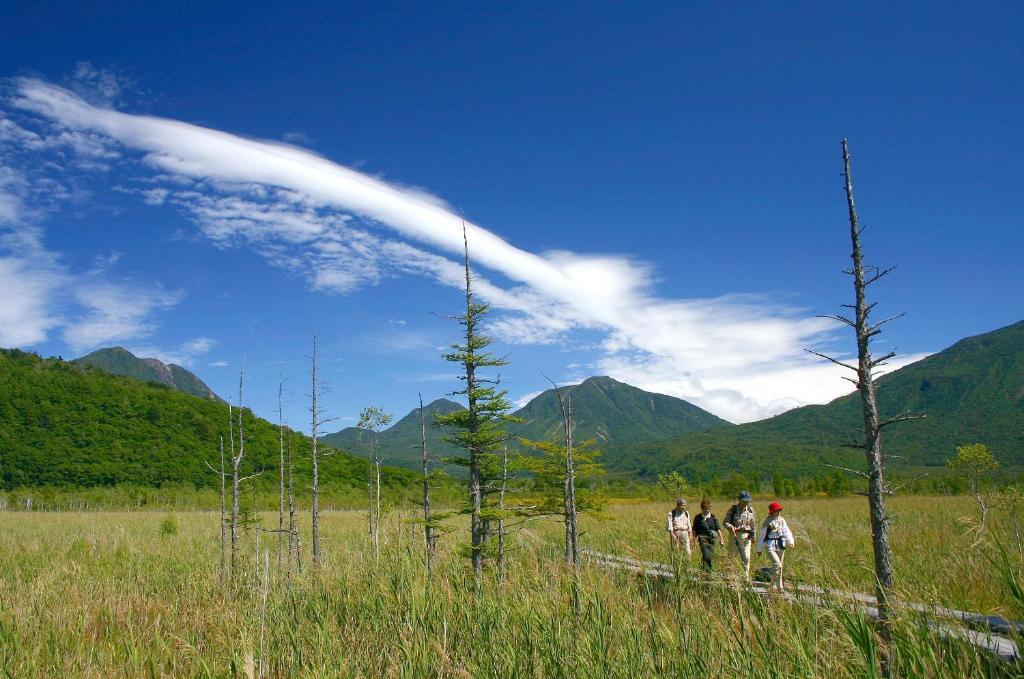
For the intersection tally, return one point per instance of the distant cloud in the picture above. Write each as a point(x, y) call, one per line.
point(184, 355)
point(115, 313)
point(297, 138)
point(219, 364)
point(103, 263)
point(740, 356)
point(526, 398)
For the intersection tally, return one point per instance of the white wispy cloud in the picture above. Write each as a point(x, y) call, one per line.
point(115, 313)
point(184, 355)
point(739, 356)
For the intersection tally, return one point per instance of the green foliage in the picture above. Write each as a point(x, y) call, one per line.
point(973, 461)
point(549, 476)
point(400, 443)
point(169, 526)
point(970, 389)
point(674, 485)
point(64, 425)
point(479, 431)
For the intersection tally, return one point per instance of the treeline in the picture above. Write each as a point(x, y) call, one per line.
point(68, 426)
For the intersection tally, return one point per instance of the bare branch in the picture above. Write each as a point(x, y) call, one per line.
point(251, 476)
point(875, 362)
point(892, 489)
point(879, 273)
point(900, 418)
point(841, 319)
point(829, 358)
point(847, 470)
point(875, 329)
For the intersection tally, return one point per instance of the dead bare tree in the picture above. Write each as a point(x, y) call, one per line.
point(863, 276)
point(314, 410)
point(503, 489)
point(236, 463)
point(223, 508)
point(570, 515)
point(428, 528)
point(236, 479)
point(281, 475)
point(294, 543)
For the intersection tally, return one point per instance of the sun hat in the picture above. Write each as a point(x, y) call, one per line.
point(774, 507)
point(744, 496)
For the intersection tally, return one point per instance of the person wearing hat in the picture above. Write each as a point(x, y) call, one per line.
point(739, 521)
point(708, 532)
point(679, 527)
point(775, 537)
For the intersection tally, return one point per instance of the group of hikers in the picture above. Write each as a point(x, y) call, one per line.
point(773, 536)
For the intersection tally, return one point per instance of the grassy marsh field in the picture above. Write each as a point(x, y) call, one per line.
point(112, 594)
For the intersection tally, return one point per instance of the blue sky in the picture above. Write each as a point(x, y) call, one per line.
point(652, 189)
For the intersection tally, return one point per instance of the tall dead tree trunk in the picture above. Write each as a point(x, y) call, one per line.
point(376, 524)
point(281, 475)
point(503, 489)
point(864, 329)
point(223, 512)
point(371, 516)
point(314, 434)
point(236, 464)
point(869, 407)
point(294, 545)
point(569, 509)
point(428, 529)
point(572, 551)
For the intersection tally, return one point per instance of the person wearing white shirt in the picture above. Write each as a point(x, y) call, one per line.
point(679, 527)
point(775, 538)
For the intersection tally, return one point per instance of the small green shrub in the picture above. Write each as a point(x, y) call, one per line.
point(169, 526)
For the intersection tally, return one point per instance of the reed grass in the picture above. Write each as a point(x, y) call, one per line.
point(111, 594)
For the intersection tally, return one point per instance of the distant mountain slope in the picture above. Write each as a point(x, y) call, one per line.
point(65, 424)
point(120, 361)
point(614, 413)
point(400, 443)
point(971, 392)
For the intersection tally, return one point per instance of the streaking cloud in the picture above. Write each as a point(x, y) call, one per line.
point(739, 356)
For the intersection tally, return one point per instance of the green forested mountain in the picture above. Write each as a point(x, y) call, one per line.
point(971, 392)
point(119, 361)
point(66, 424)
point(614, 413)
point(400, 444)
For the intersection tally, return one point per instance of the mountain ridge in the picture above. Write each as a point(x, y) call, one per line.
point(120, 361)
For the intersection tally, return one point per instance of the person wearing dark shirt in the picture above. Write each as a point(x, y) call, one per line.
point(707, 531)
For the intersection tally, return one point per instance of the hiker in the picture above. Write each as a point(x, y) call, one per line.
point(708, 532)
point(679, 527)
point(776, 538)
point(739, 520)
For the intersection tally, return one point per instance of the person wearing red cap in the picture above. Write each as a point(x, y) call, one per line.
point(775, 538)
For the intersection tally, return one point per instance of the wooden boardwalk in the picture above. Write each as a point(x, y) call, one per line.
point(988, 632)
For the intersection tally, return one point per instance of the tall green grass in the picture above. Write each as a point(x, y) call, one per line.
point(111, 594)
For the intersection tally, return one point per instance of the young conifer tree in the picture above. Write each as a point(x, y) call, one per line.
point(480, 428)
point(556, 472)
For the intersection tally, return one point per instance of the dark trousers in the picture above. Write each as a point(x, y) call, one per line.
point(707, 552)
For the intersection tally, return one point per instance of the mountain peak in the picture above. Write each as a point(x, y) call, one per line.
point(120, 361)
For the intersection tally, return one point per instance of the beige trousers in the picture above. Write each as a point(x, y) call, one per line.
point(777, 558)
point(741, 545)
point(680, 538)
